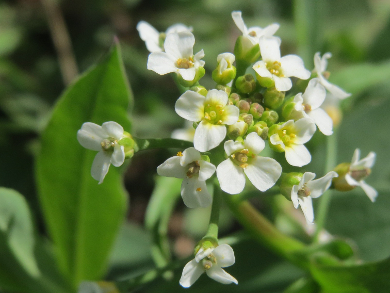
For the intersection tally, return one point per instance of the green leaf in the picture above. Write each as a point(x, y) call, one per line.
point(83, 217)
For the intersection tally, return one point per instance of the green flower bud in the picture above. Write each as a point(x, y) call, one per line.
point(256, 110)
point(234, 98)
point(246, 83)
point(188, 83)
point(273, 98)
point(130, 146)
point(199, 89)
point(243, 106)
point(260, 128)
point(247, 118)
point(339, 183)
point(287, 181)
point(270, 117)
point(237, 129)
point(257, 97)
point(205, 158)
point(225, 71)
point(226, 89)
point(265, 81)
point(245, 51)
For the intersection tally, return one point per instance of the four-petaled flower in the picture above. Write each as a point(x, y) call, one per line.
point(320, 65)
point(178, 56)
point(190, 166)
point(302, 194)
point(254, 33)
point(308, 105)
point(359, 170)
point(289, 137)
point(211, 261)
point(279, 69)
point(103, 139)
point(154, 39)
point(213, 113)
point(243, 160)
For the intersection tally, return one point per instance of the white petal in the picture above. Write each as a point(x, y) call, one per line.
point(237, 18)
point(254, 143)
point(190, 106)
point(187, 74)
point(317, 63)
point(351, 181)
point(319, 186)
point(369, 190)
point(160, 63)
point(100, 166)
point(217, 97)
point(90, 136)
point(228, 57)
point(195, 193)
point(113, 129)
point(189, 155)
point(231, 115)
point(220, 275)
point(366, 162)
point(118, 155)
point(297, 155)
point(208, 136)
point(263, 172)
point(150, 35)
point(294, 196)
point(177, 28)
point(231, 177)
point(224, 255)
point(315, 94)
point(322, 120)
point(179, 45)
point(206, 170)
point(334, 89)
point(261, 69)
point(269, 49)
point(191, 273)
point(292, 65)
point(305, 130)
point(270, 30)
point(307, 208)
point(172, 168)
point(201, 254)
point(307, 177)
point(231, 147)
point(355, 157)
point(275, 140)
point(282, 84)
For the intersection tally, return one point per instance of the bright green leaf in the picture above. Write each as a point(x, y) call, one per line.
point(82, 216)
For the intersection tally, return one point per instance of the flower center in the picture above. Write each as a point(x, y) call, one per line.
point(275, 68)
point(287, 135)
point(193, 169)
point(360, 174)
point(214, 112)
point(306, 108)
point(252, 34)
point(185, 63)
point(208, 261)
point(242, 158)
point(108, 144)
point(304, 191)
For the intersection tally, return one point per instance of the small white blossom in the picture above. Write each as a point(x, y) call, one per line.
point(103, 139)
point(279, 68)
point(190, 166)
point(243, 160)
point(185, 133)
point(308, 105)
point(290, 137)
point(302, 194)
point(254, 33)
point(152, 37)
point(178, 56)
point(359, 170)
point(212, 111)
point(210, 261)
point(320, 67)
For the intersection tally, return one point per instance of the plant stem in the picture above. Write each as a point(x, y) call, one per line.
point(212, 231)
point(148, 144)
point(324, 200)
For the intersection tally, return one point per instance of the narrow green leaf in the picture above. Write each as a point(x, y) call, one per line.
point(83, 217)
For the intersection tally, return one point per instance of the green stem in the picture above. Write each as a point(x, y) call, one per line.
point(148, 144)
point(324, 200)
point(263, 231)
point(212, 231)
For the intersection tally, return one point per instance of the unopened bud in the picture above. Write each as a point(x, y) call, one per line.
point(130, 146)
point(273, 98)
point(188, 83)
point(245, 51)
point(225, 71)
point(237, 129)
point(289, 112)
point(265, 81)
point(234, 98)
point(225, 88)
point(246, 83)
point(247, 118)
point(243, 106)
point(257, 97)
point(199, 89)
point(256, 110)
point(287, 181)
point(260, 128)
point(270, 117)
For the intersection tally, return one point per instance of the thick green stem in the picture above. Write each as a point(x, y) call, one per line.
point(324, 200)
point(148, 144)
point(263, 231)
point(212, 231)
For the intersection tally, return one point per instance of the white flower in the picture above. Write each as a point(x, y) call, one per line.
point(359, 170)
point(210, 261)
point(186, 133)
point(152, 37)
point(290, 137)
point(190, 166)
point(254, 33)
point(308, 104)
point(279, 68)
point(103, 139)
point(244, 160)
point(320, 65)
point(302, 194)
point(178, 56)
point(213, 113)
